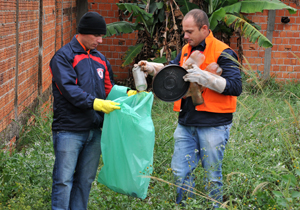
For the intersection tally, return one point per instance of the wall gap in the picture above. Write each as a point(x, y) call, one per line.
point(40, 60)
point(17, 66)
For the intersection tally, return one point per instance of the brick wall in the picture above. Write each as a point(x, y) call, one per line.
point(8, 62)
point(31, 32)
point(286, 39)
point(113, 47)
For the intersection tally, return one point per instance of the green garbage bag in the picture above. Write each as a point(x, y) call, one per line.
point(127, 144)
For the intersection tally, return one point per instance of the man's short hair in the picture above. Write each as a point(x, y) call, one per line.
point(200, 17)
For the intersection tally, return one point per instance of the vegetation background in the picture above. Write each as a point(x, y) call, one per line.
point(260, 170)
point(261, 164)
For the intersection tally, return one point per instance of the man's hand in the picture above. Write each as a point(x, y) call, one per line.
point(134, 92)
point(131, 92)
point(150, 68)
point(105, 106)
point(196, 57)
point(214, 68)
point(206, 79)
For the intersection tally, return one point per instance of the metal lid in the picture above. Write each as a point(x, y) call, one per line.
point(168, 85)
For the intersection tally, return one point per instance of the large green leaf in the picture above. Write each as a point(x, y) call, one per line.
point(161, 15)
point(155, 6)
point(162, 59)
point(277, 193)
point(186, 6)
point(135, 9)
point(131, 53)
point(253, 6)
point(121, 27)
point(295, 194)
point(141, 15)
point(223, 28)
point(173, 54)
point(247, 30)
point(289, 178)
point(216, 17)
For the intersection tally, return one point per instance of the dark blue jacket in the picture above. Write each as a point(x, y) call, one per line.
point(78, 78)
point(189, 116)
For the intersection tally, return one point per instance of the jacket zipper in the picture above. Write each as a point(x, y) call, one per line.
point(93, 76)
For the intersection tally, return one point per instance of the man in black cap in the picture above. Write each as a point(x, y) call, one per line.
point(82, 79)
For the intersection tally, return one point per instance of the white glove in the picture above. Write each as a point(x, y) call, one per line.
point(214, 68)
point(196, 57)
point(151, 68)
point(206, 79)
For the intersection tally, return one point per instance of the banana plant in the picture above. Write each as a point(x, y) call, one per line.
point(229, 12)
point(138, 19)
point(186, 6)
point(121, 27)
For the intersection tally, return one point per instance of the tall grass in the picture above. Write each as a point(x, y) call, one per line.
point(260, 168)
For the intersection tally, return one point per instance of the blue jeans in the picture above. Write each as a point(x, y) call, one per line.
point(77, 157)
point(193, 144)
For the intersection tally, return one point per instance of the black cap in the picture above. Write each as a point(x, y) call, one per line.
point(92, 23)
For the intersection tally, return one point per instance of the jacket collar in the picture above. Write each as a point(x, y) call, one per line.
point(76, 46)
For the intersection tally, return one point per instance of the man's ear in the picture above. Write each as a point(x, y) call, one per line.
point(205, 27)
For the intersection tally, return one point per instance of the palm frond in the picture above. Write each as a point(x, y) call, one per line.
point(253, 6)
point(247, 30)
point(135, 9)
point(215, 18)
point(121, 27)
point(186, 6)
point(131, 53)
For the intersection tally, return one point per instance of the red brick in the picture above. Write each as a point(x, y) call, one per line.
point(283, 68)
point(258, 60)
point(280, 13)
point(278, 41)
point(277, 19)
point(294, 48)
point(281, 48)
point(289, 68)
point(279, 61)
point(275, 33)
point(279, 27)
point(276, 54)
point(264, 27)
point(273, 61)
point(289, 34)
point(287, 61)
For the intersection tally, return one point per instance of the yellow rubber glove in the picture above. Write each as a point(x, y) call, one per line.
point(105, 106)
point(131, 92)
point(134, 92)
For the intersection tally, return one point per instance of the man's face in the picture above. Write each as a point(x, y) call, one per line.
point(192, 34)
point(91, 41)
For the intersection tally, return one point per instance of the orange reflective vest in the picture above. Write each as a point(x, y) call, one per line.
point(213, 101)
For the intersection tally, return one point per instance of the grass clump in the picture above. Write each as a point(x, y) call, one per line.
point(25, 173)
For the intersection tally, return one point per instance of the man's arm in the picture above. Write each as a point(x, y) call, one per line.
point(109, 80)
point(176, 60)
point(231, 73)
point(65, 78)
